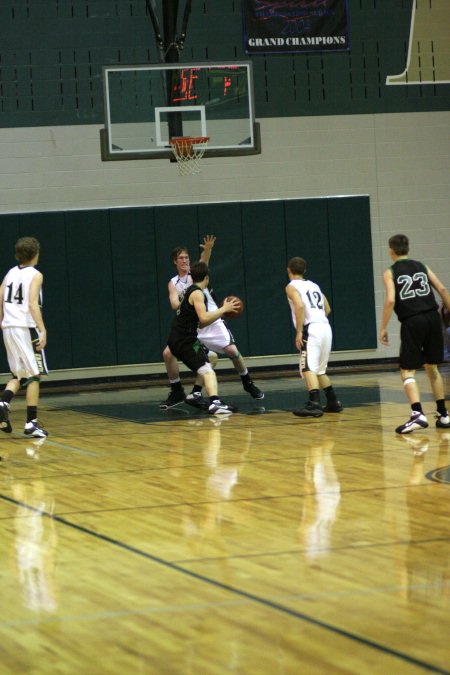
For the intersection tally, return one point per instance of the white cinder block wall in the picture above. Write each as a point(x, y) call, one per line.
point(400, 160)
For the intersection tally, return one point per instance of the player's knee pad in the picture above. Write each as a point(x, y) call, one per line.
point(205, 369)
point(409, 380)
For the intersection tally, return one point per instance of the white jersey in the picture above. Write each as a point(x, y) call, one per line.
point(183, 283)
point(313, 301)
point(16, 298)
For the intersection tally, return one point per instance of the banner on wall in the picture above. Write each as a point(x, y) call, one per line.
point(274, 26)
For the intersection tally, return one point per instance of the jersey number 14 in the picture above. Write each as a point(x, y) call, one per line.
point(18, 296)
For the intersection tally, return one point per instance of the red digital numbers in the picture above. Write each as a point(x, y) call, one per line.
point(183, 89)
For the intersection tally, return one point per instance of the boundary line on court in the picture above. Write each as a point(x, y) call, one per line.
point(236, 591)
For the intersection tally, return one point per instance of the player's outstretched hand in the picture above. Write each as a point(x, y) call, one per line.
point(208, 242)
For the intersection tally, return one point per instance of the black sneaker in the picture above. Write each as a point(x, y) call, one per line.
point(219, 408)
point(196, 400)
point(175, 397)
point(5, 424)
point(441, 421)
point(416, 421)
point(310, 410)
point(335, 407)
point(35, 430)
point(253, 390)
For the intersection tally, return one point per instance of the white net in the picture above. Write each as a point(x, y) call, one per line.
point(188, 151)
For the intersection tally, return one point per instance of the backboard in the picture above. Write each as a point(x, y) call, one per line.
point(146, 105)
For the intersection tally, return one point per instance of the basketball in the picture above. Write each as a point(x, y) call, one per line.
point(240, 309)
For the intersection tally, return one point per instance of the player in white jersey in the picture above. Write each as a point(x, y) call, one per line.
point(24, 334)
point(310, 309)
point(215, 337)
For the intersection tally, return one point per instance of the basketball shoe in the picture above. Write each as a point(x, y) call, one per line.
point(217, 407)
point(253, 390)
point(5, 424)
point(196, 400)
point(175, 397)
point(416, 421)
point(441, 421)
point(310, 409)
point(333, 407)
point(35, 430)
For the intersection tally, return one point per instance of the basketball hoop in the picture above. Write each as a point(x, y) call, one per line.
point(188, 151)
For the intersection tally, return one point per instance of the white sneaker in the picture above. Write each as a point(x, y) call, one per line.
point(442, 422)
point(417, 421)
point(219, 408)
point(35, 430)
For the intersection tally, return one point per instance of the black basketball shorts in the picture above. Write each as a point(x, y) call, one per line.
point(421, 341)
point(190, 351)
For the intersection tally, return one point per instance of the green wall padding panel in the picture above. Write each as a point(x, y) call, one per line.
point(265, 258)
point(135, 292)
point(91, 297)
point(106, 273)
point(227, 262)
point(352, 273)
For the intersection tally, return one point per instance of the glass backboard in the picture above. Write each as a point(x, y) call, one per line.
point(146, 105)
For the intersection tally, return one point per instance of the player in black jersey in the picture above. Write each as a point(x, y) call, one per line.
point(183, 340)
point(408, 284)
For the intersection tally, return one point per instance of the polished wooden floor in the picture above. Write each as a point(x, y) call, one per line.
point(135, 541)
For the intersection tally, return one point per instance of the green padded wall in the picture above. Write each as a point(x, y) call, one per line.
point(134, 262)
point(228, 261)
point(91, 310)
point(265, 265)
point(352, 272)
point(106, 273)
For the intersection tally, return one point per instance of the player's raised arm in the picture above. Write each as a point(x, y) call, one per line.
point(208, 244)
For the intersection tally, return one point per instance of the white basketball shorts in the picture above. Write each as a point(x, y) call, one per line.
point(318, 347)
point(22, 359)
point(216, 336)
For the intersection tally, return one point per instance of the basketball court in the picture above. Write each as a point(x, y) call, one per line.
point(262, 543)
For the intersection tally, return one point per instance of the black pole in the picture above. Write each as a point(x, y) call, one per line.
point(170, 13)
point(155, 23)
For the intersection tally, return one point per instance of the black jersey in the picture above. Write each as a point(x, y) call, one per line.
point(186, 321)
point(413, 291)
